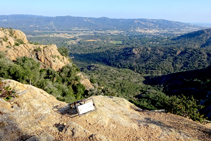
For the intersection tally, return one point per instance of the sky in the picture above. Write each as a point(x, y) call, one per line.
point(188, 11)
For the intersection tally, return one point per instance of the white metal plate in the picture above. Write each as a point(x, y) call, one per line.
point(85, 108)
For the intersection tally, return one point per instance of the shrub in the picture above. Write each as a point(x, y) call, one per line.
point(2, 55)
point(92, 80)
point(5, 39)
point(184, 106)
point(36, 43)
point(20, 41)
point(37, 49)
point(63, 51)
point(11, 32)
point(6, 92)
point(62, 84)
point(79, 90)
point(179, 105)
point(60, 98)
point(30, 69)
point(17, 44)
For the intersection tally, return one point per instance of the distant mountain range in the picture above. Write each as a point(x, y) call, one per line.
point(67, 23)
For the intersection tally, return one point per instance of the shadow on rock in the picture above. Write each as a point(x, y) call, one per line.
point(67, 110)
point(9, 130)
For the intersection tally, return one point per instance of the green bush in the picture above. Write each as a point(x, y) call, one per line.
point(79, 90)
point(20, 41)
point(17, 72)
point(5, 39)
point(31, 69)
point(92, 80)
point(63, 51)
point(36, 43)
point(17, 44)
point(11, 31)
point(179, 105)
point(6, 92)
point(37, 49)
point(2, 55)
point(184, 106)
point(62, 84)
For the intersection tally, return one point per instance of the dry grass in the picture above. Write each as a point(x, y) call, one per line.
point(91, 40)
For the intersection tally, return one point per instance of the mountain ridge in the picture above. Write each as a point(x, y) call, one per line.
point(66, 23)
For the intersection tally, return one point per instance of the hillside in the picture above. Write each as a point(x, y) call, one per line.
point(152, 55)
point(154, 61)
point(68, 23)
point(194, 83)
point(43, 66)
point(36, 115)
point(197, 39)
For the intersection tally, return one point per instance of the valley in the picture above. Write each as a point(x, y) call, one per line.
point(125, 61)
point(125, 65)
point(149, 77)
point(105, 70)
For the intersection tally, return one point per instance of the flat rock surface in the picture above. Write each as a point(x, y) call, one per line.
point(36, 115)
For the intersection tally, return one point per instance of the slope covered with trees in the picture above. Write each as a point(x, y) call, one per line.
point(128, 84)
point(154, 61)
point(63, 84)
point(197, 39)
point(194, 83)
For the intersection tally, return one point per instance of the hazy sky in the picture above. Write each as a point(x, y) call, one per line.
point(192, 11)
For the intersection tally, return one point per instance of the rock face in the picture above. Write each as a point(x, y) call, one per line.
point(15, 44)
point(36, 115)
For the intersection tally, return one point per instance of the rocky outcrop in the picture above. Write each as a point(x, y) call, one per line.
point(85, 81)
point(15, 44)
point(19, 35)
point(36, 115)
